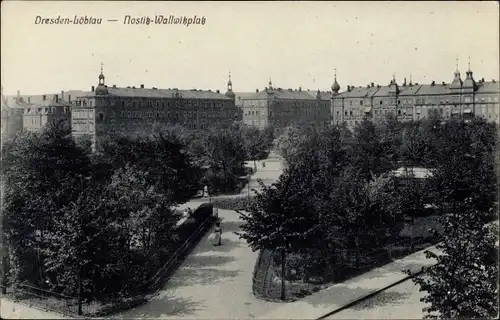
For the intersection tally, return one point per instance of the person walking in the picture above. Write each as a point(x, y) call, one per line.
point(218, 234)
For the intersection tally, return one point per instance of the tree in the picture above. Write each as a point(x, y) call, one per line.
point(414, 145)
point(281, 218)
point(368, 151)
point(164, 154)
point(42, 173)
point(390, 138)
point(225, 158)
point(360, 215)
point(257, 142)
point(287, 144)
point(464, 168)
point(463, 283)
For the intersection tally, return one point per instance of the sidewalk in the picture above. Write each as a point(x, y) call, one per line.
point(212, 283)
point(325, 301)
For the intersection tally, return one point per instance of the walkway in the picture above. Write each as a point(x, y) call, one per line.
point(213, 282)
point(325, 301)
point(399, 302)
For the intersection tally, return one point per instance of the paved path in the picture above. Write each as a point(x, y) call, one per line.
point(399, 302)
point(213, 282)
point(325, 301)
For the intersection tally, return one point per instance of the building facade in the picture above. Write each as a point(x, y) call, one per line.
point(460, 99)
point(50, 110)
point(110, 110)
point(12, 116)
point(279, 108)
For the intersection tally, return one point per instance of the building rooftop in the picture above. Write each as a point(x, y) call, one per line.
point(488, 87)
point(161, 93)
point(287, 94)
point(359, 92)
point(436, 89)
point(408, 90)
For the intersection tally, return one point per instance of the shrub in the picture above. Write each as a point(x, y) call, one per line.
point(203, 212)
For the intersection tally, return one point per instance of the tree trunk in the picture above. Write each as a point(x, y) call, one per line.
point(80, 291)
point(283, 256)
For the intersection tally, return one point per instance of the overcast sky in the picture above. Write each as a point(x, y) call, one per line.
point(295, 43)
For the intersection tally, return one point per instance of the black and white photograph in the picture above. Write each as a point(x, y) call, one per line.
point(270, 160)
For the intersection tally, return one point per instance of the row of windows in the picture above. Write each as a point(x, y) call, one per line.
point(83, 103)
point(169, 114)
point(82, 114)
point(435, 100)
point(173, 103)
point(404, 113)
point(82, 127)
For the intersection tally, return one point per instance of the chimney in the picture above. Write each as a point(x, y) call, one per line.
point(433, 83)
point(133, 87)
point(348, 88)
point(256, 90)
point(56, 97)
point(300, 88)
point(18, 94)
point(482, 79)
point(44, 97)
point(142, 86)
point(62, 94)
point(217, 91)
point(114, 86)
point(69, 98)
point(92, 88)
point(29, 100)
point(404, 83)
point(373, 84)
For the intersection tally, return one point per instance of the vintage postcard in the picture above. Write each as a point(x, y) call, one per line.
point(249, 159)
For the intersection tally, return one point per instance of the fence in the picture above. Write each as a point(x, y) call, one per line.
point(44, 299)
point(68, 305)
point(298, 283)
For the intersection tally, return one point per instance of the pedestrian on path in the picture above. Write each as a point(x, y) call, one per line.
point(218, 234)
point(205, 191)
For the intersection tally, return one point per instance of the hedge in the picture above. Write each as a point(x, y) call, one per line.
point(233, 203)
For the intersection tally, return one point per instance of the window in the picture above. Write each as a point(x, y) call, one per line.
point(101, 117)
point(350, 113)
point(123, 104)
point(399, 112)
point(345, 113)
point(350, 103)
point(361, 102)
point(380, 102)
